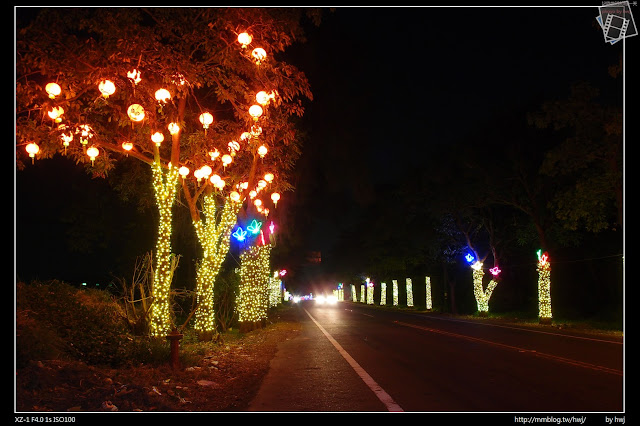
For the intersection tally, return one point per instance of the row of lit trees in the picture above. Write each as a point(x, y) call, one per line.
point(99, 84)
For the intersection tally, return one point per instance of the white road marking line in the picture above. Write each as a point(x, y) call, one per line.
point(383, 396)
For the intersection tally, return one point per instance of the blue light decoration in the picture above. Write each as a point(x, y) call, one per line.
point(470, 258)
point(240, 234)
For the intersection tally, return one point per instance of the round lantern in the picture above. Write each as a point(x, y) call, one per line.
point(107, 88)
point(244, 39)
point(275, 197)
point(157, 137)
point(56, 114)
point(259, 54)
point(162, 95)
point(127, 146)
point(206, 171)
point(174, 128)
point(215, 179)
point(136, 112)
point(268, 177)
point(184, 171)
point(32, 149)
point(255, 111)
point(53, 90)
point(134, 75)
point(92, 152)
point(262, 98)
point(234, 196)
point(226, 160)
point(206, 119)
point(262, 151)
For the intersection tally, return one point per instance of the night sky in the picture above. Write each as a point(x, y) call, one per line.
point(390, 86)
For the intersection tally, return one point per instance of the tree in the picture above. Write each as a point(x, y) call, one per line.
point(109, 64)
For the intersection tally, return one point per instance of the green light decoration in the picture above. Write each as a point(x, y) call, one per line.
point(164, 188)
point(544, 287)
point(252, 303)
point(395, 292)
point(409, 292)
point(214, 236)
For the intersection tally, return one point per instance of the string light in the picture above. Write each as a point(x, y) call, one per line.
point(214, 237)
point(383, 293)
point(482, 296)
point(369, 292)
point(544, 287)
point(409, 292)
point(395, 292)
point(428, 293)
point(164, 188)
point(252, 303)
point(362, 293)
point(354, 296)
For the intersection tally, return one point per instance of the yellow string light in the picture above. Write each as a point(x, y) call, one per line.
point(252, 303)
point(429, 304)
point(544, 289)
point(214, 237)
point(395, 292)
point(409, 292)
point(383, 293)
point(165, 191)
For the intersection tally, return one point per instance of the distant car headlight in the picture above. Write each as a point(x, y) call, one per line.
point(320, 300)
point(332, 300)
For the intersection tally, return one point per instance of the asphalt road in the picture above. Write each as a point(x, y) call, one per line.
point(356, 358)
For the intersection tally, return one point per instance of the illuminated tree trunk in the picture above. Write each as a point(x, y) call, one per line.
point(427, 288)
point(482, 296)
point(253, 298)
point(165, 191)
point(214, 236)
point(544, 289)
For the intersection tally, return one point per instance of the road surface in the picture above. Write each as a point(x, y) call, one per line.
point(357, 358)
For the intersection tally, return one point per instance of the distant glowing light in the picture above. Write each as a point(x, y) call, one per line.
point(206, 119)
point(254, 227)
point(470, 258)
point(134, 75)
point(162, 95)
point(107, 88)
point(240, 234)
point(495, 271)
point(244, 39)
point(477, 265)
point(53, 90)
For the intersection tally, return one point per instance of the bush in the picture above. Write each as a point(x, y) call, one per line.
point(56, 320)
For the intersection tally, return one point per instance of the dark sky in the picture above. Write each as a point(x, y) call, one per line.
point(389, 84)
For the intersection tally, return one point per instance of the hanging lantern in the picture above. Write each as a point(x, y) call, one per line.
point(107, 88)
point(134, 75)
point(257, 202)
point(262, 151)
point(86, 133)
point(162, 95)
point(244, 39)
point(136, 112)
point(214, 154)
point(235, 196)
point(226, 160)
point(127, 146)
point(259, 55)
point(262, 98)
point(183, 171)
point(32, 150)
point(220, 184)
point(174, 128)
point(275, 197)
point(93, 152)
point(157, 138)
point(53, 90)
point(268, 177)
point(206, 171)
point(206, 119)
point(198, 174)
point(255, 111)
point(66, 140)
point(56, 114)
point(215, 179)
point(244, 136)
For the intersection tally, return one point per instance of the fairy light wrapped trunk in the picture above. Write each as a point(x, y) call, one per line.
point(253, 298)
point(214, 235)
point(544, 288)
point(165, 188)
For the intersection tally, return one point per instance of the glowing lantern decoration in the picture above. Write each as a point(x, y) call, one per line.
point(256, 131)
point(184, 171)
point(136, 112)
point(262, 151)
point(86, 133)
point(157, 138)
point(226, 160)
point(244, 136)
point(233, 147)
point(56, 114)
point(206, 171)
point(162, 95)
point(255, 111)
point(257, 202)
point(495, 271)
point(127, 146)
point(240, 234)
point(262, 98)
point(254, 227)
point(220, 184)
point(206, 119)
point(275, 197)
point(174, 128)
point(268, 177)
point(234, 196)
point(259, 55)
point(107, 88)
point(477, 265)
point(32, 150)
point(134, 75)
point(198, 174)
point(66, 139)
point(469, 257)
point(52, 90)
point(93, 152)
point(244, 39)
point(214, 154)
point(252, 194)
